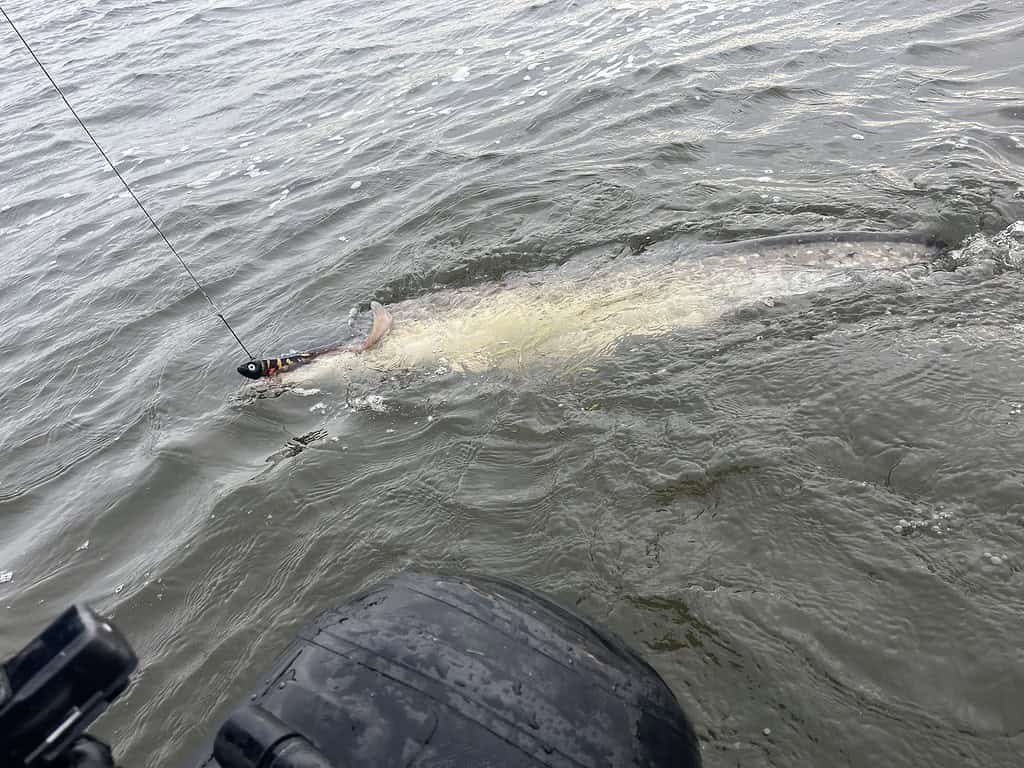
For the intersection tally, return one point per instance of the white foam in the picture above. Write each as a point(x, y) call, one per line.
point(207, 180)
point(356, 185)
point(279, 200)
point(303, 392)
point(374, 403)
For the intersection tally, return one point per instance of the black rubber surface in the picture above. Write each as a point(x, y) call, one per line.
point(429, 670)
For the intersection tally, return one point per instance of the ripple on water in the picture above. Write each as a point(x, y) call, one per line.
point(804, 512)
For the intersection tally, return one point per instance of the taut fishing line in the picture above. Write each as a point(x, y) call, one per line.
point(130, 192)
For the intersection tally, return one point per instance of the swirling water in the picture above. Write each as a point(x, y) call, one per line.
point(806, 513)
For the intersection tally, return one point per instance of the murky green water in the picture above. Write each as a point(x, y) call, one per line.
point(800, 497)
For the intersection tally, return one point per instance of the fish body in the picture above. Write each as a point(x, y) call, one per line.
point(271, 366)
point(571, 313)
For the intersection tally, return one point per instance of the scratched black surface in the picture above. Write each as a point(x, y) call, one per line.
point(808, 519)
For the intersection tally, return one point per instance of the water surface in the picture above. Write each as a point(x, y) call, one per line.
point(806, 512)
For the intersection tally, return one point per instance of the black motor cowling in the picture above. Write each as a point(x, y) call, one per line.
point(455, 671)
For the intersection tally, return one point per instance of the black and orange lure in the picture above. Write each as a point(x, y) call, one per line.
point(271, 366)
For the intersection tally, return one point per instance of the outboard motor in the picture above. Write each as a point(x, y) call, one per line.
point(442, 670)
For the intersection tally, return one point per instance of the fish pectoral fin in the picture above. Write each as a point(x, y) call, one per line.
point(382, 321)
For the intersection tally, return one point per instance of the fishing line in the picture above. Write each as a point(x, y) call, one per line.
point(130, 192)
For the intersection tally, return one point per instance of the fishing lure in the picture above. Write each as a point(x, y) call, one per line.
point(271, 366)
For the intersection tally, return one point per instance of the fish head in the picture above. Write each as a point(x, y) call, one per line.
point(251, 369)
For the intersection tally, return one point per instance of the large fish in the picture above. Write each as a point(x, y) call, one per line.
point(272, 366)
point(582, 308)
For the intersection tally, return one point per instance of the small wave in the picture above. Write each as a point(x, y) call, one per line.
point(1003, 250)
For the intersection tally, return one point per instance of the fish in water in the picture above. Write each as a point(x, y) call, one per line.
point(573, 312)
point(269, 367)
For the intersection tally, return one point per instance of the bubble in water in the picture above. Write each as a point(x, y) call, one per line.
point(356, 185)
point(857, 136)
point(374, 403)
point(934, 523)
